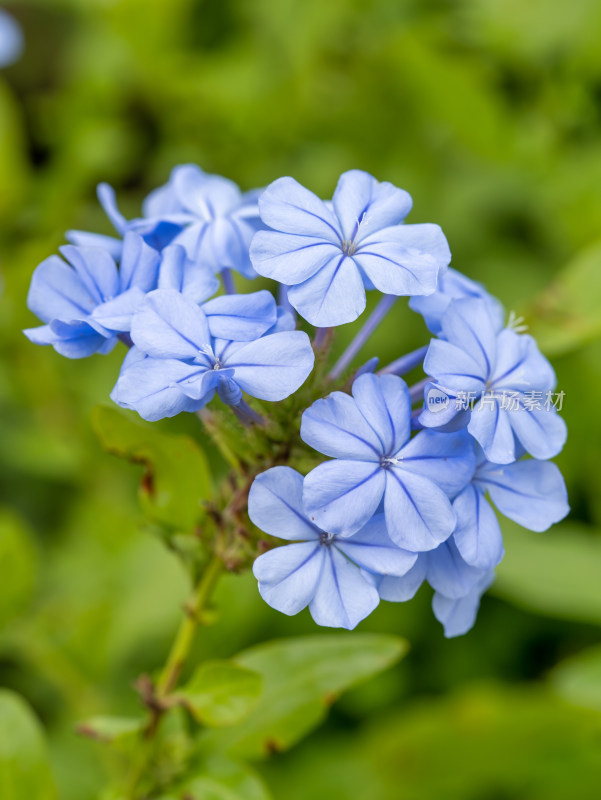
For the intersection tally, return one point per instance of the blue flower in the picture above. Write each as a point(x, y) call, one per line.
point(219, 221)
point(452, 285)
point(320, 570)
point(88, 301)
point(160, 223)
point(187, 361)
point(11, 39)
point(374, 460)
point(531, 493)
point(458, 586)
point(330, 253)
point(500, 369)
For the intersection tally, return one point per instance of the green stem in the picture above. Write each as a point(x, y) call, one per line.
point(185, 636)
point(170, 673)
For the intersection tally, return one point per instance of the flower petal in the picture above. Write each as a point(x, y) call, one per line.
point(341, 496)
point(458, 616)
point(335, 295)
point(469, 325)
point(477, 534)
point(372, 549)
point(139, 264)
point(343, 597)
point(385, 404)
point(531, 493)
point(96, 269)
point(418, 513)
point(400, 589)
point(287, 206)
point(273, 367)
point(198, 283)
point(541, 431)
point(334, 426)
point(169, 325)
point(364, 205)
point(290, 258)
point(490, 426)
point(241, 317)
point(57, 292)
point(448, 459)
point(288, 575)
point(275, 505)
point(449, 574)
point(453, 367)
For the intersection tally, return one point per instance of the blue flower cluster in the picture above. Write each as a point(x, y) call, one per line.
point(407, 494)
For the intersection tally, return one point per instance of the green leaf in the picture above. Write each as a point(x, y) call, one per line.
point(110, 729)
point(557, 573)
point(221, 693)
point(301, 678)
point(17, 556)
point(24, 766)
point(578, 679)
point(177, 475)
point(223, 779)
point(566, 316)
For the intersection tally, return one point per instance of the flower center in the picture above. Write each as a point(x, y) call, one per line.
point(326, 539)
point(388, 461)
point(348, 247)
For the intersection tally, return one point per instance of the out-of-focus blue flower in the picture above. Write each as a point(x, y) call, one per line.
point(88, 301)
point(330, 253)
point(158, 226)
point(219, 221)
point(321, 570)
point(458, 586)
point(452, 285)
point(500, 369)
point(188, 361)
point(11, 39)
point(531, 493)
point(374, 460)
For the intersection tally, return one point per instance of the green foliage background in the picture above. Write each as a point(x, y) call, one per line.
point(488, 112)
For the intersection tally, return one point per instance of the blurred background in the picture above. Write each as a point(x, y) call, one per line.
point(489, 113)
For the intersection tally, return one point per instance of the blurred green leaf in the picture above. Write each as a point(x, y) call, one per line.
point(557, 573)
point(222, 779)
point(578, 679)
point(18, 560)
point(110, 729)
point(220, 693)
point(24, 766)
point(301, 678)
point(566, 315)
point(177, 477)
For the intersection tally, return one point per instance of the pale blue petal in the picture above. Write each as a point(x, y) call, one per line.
point(84, 239)
point(532, 493)
point(11, 39)
point(490, 426)
point(241, 317)
point(385, 404)
point(116, 315)
point(372, 549)
point(334, 426)
point(275, 505)
point(333, 296)
point(448, 459)
point(341, 496)
point(364, 205)
point(542, 432)
point(178, 272)
point(169, 325)
point(449, 574)
point(418, 513)
point(343, 596)
point(139, 264)
point(469, 325)
point(520, 364)
point(288, 575)
point(56, 292)
point(453, 367)
point(400, 589)
point(458, 616)
point(273, 367)
point(477, 534)
point(108, 201)
point(151, 387)
point(205, 196)
point(287, 206)
point(290, 258)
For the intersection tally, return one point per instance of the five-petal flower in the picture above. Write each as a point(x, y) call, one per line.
point(328, 254)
